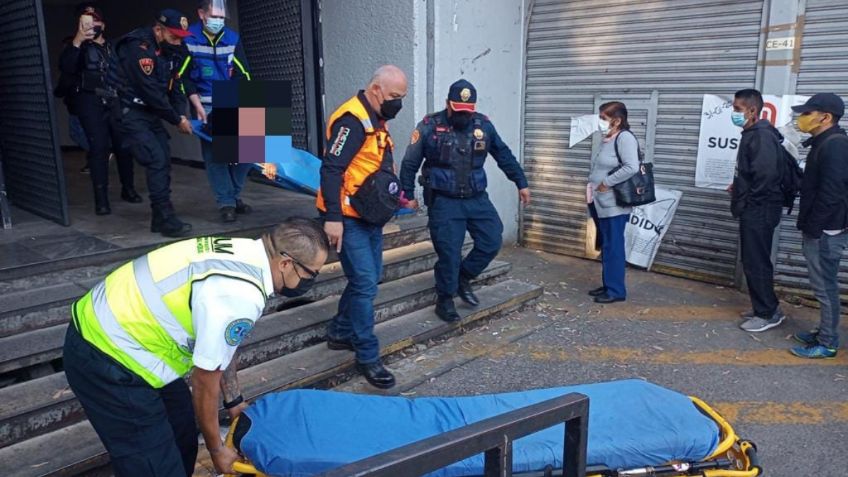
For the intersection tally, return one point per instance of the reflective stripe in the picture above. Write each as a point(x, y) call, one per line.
point(185, 65)
point(126, 345)
point(201, 269)
point(206, 99)
point(219, 50)
point(151, 293)
point(366, 123)
point(241, 67)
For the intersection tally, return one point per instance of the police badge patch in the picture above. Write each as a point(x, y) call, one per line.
point(146, 65)
point(478, 134)
point(415, 136)
point(184, 23)
point(237, 331)
point(465, 94)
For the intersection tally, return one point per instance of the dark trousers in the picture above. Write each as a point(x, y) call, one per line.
point(450, 218)
point(756, 234)
point(147, 140)
point(362, 261)
point(613, 255)
point(147, 432)
point(102, 137)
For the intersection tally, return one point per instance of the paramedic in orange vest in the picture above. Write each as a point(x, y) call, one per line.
point(358, 144)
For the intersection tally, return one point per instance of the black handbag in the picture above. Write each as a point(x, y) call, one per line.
point(378, 198)
point(639, 188)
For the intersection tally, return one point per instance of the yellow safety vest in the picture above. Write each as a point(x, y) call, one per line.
point(140, 314)
point(366, 162)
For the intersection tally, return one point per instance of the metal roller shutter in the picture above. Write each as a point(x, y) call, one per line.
point(32, 164)
point(272, 32)
point(627, 49)
point(824, 69)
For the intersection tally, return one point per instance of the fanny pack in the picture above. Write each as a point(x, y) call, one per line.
point(378, 198)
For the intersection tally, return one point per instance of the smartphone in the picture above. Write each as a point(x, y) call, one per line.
point(87, 22)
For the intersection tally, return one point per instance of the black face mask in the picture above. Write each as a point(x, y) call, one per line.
point(301, 288)
point(98, 31)
point(460, 121)
point(169, 50)
point(390, 108)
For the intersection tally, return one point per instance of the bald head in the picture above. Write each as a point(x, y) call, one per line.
point(387, 84)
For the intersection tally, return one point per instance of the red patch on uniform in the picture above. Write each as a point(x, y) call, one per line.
point(441, 128)
point(143, 46)
point(146, 65)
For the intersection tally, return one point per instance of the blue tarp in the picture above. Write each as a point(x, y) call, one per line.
point(631, 424)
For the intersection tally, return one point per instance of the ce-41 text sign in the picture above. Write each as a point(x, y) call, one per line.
point(719, 138)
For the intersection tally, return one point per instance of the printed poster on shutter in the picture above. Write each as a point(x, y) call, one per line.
point(719, 138)
point(647, 227)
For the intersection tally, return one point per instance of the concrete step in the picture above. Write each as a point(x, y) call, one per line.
point(41, 405)
point(40, 301)
point(76, 449)
point(34, 347)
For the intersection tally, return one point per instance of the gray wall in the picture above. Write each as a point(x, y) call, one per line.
point(480, 40)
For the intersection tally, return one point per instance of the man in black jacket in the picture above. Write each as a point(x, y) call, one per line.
point(823, 216)
point(757, 201)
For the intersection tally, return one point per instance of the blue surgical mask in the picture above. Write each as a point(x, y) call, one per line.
point(214, 25)
point(738, 118)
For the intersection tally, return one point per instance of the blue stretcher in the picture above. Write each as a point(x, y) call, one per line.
point(632, 424)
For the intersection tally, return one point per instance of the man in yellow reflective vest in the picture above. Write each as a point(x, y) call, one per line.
point(183, 308)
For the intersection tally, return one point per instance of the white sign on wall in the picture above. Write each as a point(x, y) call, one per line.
point(647, 227)
point(719, 138)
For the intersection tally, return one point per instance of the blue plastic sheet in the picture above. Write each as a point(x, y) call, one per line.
point(631, 424)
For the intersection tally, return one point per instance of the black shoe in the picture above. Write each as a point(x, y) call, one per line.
point(598, 291)
point(242, 208)
point(165, 221)
point(466, 292)
point(130, 195)
point(85, 170)
point(607, 299)
point(338, 345)
point(228, 214)
point(101, 200)
point(377, 375)
point(446, 310)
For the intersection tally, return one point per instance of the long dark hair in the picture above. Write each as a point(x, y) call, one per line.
point(616, 110)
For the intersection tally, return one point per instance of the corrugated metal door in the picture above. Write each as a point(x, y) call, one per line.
point(32, 163)
point(577, 49)
point(273, 34)
point(824, 69)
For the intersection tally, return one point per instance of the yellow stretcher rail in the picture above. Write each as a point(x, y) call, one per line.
point(740, 452)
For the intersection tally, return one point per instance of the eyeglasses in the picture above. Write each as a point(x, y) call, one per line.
point(312, 273)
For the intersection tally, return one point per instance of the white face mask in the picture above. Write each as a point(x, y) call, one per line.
point(603, 126)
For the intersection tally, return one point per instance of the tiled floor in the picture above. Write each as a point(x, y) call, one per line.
point(33, 239)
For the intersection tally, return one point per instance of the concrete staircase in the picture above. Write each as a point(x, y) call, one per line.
point(43, 430)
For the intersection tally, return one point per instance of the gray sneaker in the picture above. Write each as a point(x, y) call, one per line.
point(757, 324)
point(747, 315)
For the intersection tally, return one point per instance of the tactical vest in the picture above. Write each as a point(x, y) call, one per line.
point(213, 60)
point(140, 314)
point(367, 161)
point(164, 68)
point(93, 67)
point(455, 159)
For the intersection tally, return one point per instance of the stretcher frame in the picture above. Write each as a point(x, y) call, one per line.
point(734, 457)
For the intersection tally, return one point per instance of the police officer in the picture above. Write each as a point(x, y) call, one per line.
point(183, 308)
point(84, 63)
point(216, 54)
point(144, 73)
point(454, 144)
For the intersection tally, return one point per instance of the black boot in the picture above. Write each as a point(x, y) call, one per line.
point(377, 375)
point(242, 208)
point(466, 292)
point(165, 221)
point(101, 200)
point(130, 195)
point(446, 310)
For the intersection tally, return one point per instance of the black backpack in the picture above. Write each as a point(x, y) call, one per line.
point(791, 176)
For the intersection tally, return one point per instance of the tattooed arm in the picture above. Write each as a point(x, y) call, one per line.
point(230, 387)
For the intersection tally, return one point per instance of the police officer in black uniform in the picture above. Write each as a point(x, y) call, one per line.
point(144, 73)
point(454, 144)
point(84, 64)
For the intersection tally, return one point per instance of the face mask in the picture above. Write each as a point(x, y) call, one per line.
point(460, 121)
point(301, 288)
point(390, 108)
point(808, 122)
point(170, 50)
point(738, 118)
point(214, 25)
point(604, 126)
point(98, 31)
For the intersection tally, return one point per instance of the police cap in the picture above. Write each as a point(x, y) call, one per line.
point(462, 96)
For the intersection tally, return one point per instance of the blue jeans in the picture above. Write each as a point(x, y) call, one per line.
point(226, 180)
point(823, 256)
point(611, 235)
point(362, 262)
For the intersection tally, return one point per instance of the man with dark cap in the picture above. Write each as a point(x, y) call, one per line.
point(454, 144)
point(144, 74)
point(823, 217)
point(84, 63)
